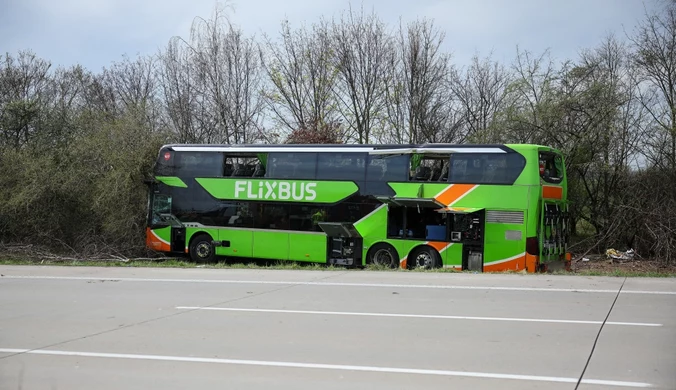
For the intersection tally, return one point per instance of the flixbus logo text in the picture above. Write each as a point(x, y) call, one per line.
point(281, 190)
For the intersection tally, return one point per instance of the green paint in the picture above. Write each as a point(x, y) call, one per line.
point(430, 190)
point(311, 191)
point(163, 233)
point(496, 197)
point(190, 232)
point(417, 190)
point(531, 216)
point(453, 255)
point(271, 245)
point(307, 247)
point(404, 247)
point(171, 181)
point(241, 242)
point(496, 247)
point(375, 224)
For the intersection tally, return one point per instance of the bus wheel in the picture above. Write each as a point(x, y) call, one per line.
point(382, 255)
point(424, 257)
point(201, 249)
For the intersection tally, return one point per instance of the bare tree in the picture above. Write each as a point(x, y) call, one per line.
point(530, 100)
point(182, 99)
point(418, 103)
point(655, 47)
point(135, 85)
point(481, 93)
point(302, 76)
point(602, 127)
point(230, 75)
point(66, 106)
point(212, 84)
point(24, 81)
point(363, 50)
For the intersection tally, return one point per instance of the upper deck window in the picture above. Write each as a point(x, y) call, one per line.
point(486, 168)
point(387, 168)
point(429, 168)
point(291, 165)
point(341, 166)
point(190, 164)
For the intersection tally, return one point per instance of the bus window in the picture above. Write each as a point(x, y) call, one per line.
point(387, 168)
point(291, 165)
point(198, 164)
point(341, 166)
point(429, 168)
point(161, 211)
point(272, 216)
point(161, 208)
point(243, 166)
point(551, 167)
point(488, 168)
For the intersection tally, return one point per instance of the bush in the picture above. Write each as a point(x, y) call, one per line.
point(88, 197)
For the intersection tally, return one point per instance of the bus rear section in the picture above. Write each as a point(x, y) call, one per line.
point(550, 244)
point(474, 218)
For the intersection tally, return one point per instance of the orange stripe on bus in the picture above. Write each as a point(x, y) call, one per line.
point(453, 193)
point(438, 245)
point(153, 242)
point(552, 192)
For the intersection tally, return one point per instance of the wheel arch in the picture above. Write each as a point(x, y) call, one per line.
point(379, 244)
point(198, 233)
point(417, 248)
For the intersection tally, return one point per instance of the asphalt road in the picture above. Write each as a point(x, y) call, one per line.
point(130, 328)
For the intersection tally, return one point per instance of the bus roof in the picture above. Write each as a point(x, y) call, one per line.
point(369, 148)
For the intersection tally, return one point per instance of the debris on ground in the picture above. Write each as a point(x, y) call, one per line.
point(617, 255)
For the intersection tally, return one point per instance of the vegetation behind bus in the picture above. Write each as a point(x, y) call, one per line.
point(75, 144)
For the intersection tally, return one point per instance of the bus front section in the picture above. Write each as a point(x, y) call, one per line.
point(164, 231)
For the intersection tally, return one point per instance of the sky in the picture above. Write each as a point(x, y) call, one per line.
point(95, 33)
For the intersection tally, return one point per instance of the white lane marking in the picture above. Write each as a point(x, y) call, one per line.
point(393, 370)
point(427, 316)
point(339, 284)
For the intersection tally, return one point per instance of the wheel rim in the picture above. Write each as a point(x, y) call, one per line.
point(424, 260)
point(203, 250)
point(383, 257)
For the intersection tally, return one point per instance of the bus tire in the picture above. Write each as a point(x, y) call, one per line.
point(424, 257)
point(383, 254)
point(202, 249)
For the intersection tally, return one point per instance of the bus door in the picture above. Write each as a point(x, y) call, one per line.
point(165, 232)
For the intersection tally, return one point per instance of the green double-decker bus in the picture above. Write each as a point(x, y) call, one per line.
point(468, 207)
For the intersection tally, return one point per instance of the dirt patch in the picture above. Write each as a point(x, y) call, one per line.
point(604, 265)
